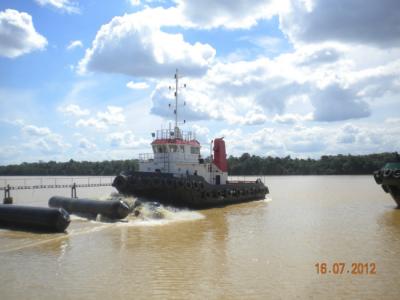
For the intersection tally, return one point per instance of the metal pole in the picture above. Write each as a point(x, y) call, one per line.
point(7, 196)
point(176, 99)
point(73, 191)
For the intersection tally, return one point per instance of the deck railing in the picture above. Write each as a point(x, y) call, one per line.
point(166, 134)
point(143, 157)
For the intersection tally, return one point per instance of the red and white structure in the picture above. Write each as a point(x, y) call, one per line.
point(178, 153)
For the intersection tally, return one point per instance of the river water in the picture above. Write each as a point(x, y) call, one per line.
point(258, 250)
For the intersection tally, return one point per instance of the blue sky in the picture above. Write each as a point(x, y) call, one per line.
point(88, 80)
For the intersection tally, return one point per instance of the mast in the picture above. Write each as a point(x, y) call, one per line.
point(176, 99)
point(176, 128)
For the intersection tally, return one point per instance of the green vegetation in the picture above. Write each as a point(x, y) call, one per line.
point(246, 164)
point(326, 165)
point(71, 167)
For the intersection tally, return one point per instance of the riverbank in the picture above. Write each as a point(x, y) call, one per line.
point(245, 164)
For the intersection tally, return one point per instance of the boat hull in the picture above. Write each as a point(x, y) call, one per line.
point(189, 191)
point(389, 178)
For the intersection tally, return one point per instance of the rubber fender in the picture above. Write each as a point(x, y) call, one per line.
point(113, 209)
point(387, 173)
point(34, 218)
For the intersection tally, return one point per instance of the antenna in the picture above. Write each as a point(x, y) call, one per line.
point(176, 97)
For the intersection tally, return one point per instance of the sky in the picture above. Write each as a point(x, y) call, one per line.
point(89, 80)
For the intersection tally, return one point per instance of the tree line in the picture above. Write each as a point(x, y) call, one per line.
point(246, 164)
point(72, 167)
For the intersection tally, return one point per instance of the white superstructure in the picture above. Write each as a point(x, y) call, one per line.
point(178, 152)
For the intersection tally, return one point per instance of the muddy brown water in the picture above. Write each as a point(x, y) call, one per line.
point(270, 249)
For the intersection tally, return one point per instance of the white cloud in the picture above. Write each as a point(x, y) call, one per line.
point(134, 2)
point(229, 14)
point(393, 121)
point(85, 144)
point(74, 109)
point(42, 139)
point(91, 122)
point(352, 21)
point(33, 130)
point(137, 85)
point(75, 44)
point(314, 141)
point(18, 35)
point(368, 138)
point(266, 141)
point(126, 140)
point(112, 116)
point(134, 46)
point(326, 82)
point(335, 103)
point(201, 133)
point(242, 92)
point(62, 5)
point(292, 118)
point(254, 117)
point(347, 134)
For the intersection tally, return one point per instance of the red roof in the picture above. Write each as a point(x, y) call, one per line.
point(175, 141)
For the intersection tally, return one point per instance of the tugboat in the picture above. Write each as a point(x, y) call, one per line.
point(389, 178)
point(175, 174)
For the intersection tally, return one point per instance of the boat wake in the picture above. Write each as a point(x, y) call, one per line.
point(154, 213)
point(143, 214)
point(267, 199)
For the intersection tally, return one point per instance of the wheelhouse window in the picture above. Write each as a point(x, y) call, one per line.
point(173, 148)
point(195, 150)
point(182, 148)
point(160, 149)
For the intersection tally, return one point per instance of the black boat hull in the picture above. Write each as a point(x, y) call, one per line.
point(389, 178)
point(189, 191)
